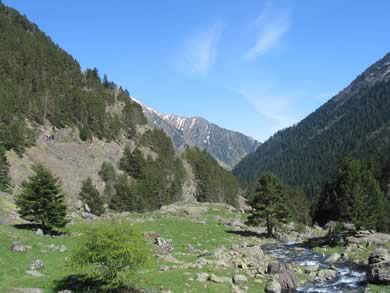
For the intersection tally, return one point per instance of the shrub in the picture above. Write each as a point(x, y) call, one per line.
point(112, 253)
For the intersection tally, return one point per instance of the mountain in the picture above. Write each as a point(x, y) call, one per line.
point(356, 121)
point(226, 146)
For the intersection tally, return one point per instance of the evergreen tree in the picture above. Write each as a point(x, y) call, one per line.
point(4, 170)
point(269, 202)
point(353, 196)
point(122, 200)
point(132, 162)
point(41, 200)
point(90, 195)
point(108, 175)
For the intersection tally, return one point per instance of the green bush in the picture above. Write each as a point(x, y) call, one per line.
point(112, 253)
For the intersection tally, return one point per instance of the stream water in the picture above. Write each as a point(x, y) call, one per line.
point(350, 277)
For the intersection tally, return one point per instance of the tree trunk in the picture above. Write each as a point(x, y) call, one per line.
point(269, 226)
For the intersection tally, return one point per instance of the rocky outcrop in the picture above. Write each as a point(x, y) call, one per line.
point(379, 267)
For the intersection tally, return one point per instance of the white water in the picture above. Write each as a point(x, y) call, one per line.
point(350, 278)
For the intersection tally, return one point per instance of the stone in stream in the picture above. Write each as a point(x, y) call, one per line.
point(326, 274)
point(276, 267)
point(287, 280)
point(311, 269)
point(273, 287)
point(379, 267)
point(333, 258)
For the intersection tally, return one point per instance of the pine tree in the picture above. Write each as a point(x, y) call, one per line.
point(41, 200)
point(132, 163)
point(90, 195)
point(121, 200)
point(4, 170)
point(269, 202)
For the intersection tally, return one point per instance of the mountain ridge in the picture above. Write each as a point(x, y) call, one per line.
point(228, 147)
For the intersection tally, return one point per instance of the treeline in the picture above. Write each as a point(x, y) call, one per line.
point(214, 183)
point(355, 195)
point(41, 82)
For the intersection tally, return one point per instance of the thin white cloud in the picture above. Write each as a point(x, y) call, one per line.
point(271, 25)
point(278, 110)
point(199, 52)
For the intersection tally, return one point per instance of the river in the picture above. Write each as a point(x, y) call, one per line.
point(350, 277)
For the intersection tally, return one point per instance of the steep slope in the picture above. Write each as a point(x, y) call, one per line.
point(226, 146)
point(357, 121)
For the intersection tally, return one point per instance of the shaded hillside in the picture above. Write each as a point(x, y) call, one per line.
point(357, 121)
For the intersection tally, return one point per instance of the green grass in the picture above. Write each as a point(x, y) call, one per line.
point(181, 230)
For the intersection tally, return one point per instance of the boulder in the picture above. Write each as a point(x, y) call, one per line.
point(37, 265)
point(333, 258)
point(326, 274)
point(275, 267)
point(379, 267)
point(39, 232)
point(164, 245)
point(34, 273)
point(18, 247)
point(202, 277)
point(287, 280)
point(311, 269)
point(273, 287)
point(239, 279)
point(220, 280)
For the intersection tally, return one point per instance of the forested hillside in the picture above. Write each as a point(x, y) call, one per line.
point(44, 84)
point(356, 121)
point(43, 88)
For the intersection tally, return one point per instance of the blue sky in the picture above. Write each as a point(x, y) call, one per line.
point(251, 66)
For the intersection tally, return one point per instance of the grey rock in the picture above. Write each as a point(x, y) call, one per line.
point(326, 274)
point(311, 269)
point(379, 267)
point(275, 267)
point(333, 258)
point(164, 268)
point(239, 279)
point(37, 265)
point(217, 279)
point(34, 273)
point(39, 232)
point(202, 277)
point(18, 247)
point(287, 280)
point(273, 287)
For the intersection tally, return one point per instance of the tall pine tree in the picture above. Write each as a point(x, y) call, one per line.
point(269, 202)
point(41, 200)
